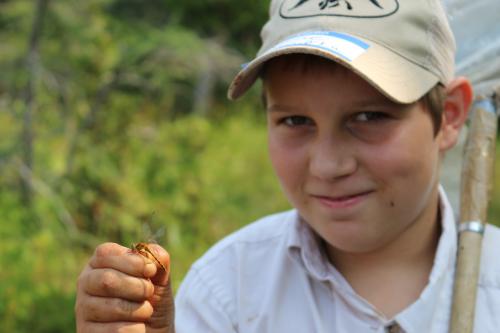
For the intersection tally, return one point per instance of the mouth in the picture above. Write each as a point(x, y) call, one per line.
point(342, 201)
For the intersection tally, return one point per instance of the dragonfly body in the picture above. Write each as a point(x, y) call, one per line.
point(144, 250)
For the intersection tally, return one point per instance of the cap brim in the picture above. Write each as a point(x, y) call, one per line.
point(396, 77)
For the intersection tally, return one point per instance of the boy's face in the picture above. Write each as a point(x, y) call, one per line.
point(361, 170)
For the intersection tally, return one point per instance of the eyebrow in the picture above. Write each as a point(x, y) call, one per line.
point(361, 105)
point(375, 103)
point(282, 109)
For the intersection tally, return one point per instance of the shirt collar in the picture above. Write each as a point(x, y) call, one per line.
point(305, 248)
point(434, 303)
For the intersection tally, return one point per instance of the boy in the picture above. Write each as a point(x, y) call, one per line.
point(361, 106)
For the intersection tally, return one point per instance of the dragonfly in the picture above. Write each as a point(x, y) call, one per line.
point(144, 250)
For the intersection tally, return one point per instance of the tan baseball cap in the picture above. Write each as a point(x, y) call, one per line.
point(401, 47)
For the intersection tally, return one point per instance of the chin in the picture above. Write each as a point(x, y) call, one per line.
point(352, 239)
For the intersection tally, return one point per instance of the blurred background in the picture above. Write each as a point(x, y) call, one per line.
point(114, 126)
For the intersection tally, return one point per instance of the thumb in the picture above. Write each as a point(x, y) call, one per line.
point(162, 276)
point(162, 299)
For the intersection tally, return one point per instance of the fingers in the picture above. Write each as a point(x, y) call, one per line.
point(120, 258)
point(162, 277)
point(103, 310)
point(162, 300)
point(122, 291)
point(112, 314)
point(163, 304)
point(112, 283)
point(119, 327)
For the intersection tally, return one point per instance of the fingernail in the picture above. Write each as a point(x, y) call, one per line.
point(149, 269)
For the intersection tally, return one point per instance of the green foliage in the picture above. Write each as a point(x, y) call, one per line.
point(124, 140)
point(37, 281)
point(196, 178)
point(494, 208)
point(211, 17)
point(119, 141)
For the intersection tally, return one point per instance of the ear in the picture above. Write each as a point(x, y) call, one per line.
point(458, 99)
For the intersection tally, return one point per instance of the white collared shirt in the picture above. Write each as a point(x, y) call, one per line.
point(271, 276)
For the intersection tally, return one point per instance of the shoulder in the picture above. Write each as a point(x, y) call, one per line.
point(241, 263)
point(267, 231)
point(247, 251)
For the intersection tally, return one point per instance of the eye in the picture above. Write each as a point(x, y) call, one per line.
point(371, 116)
point(294, 121)
point(373, 126)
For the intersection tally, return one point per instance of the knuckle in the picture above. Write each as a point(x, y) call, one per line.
point(82, 280)
point(81, 326)
point(128, 308)
point(148, 288)
point(81, 297)
point(104, 249)
point(82, 311)
point(135, 311)
point(77, 309)
point(92, 311)
point(109, 281)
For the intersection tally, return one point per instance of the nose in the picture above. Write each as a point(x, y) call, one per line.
point(331, 159)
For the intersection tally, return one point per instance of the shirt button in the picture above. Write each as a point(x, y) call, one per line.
point(393, 328)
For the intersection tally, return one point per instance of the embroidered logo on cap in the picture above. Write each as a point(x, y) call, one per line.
point(347, 8)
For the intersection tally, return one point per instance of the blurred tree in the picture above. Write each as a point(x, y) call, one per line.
point(102, 68)
point(208, 19)
point(30, 97)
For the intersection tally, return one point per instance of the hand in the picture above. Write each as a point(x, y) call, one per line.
point(122, 291)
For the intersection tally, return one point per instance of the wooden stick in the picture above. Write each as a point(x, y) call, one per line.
point(477, 175)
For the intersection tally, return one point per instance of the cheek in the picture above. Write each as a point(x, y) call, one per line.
point(410, 155)
point(388, 162)
point(407, 172)
point(289, 163)
point(279, 158)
